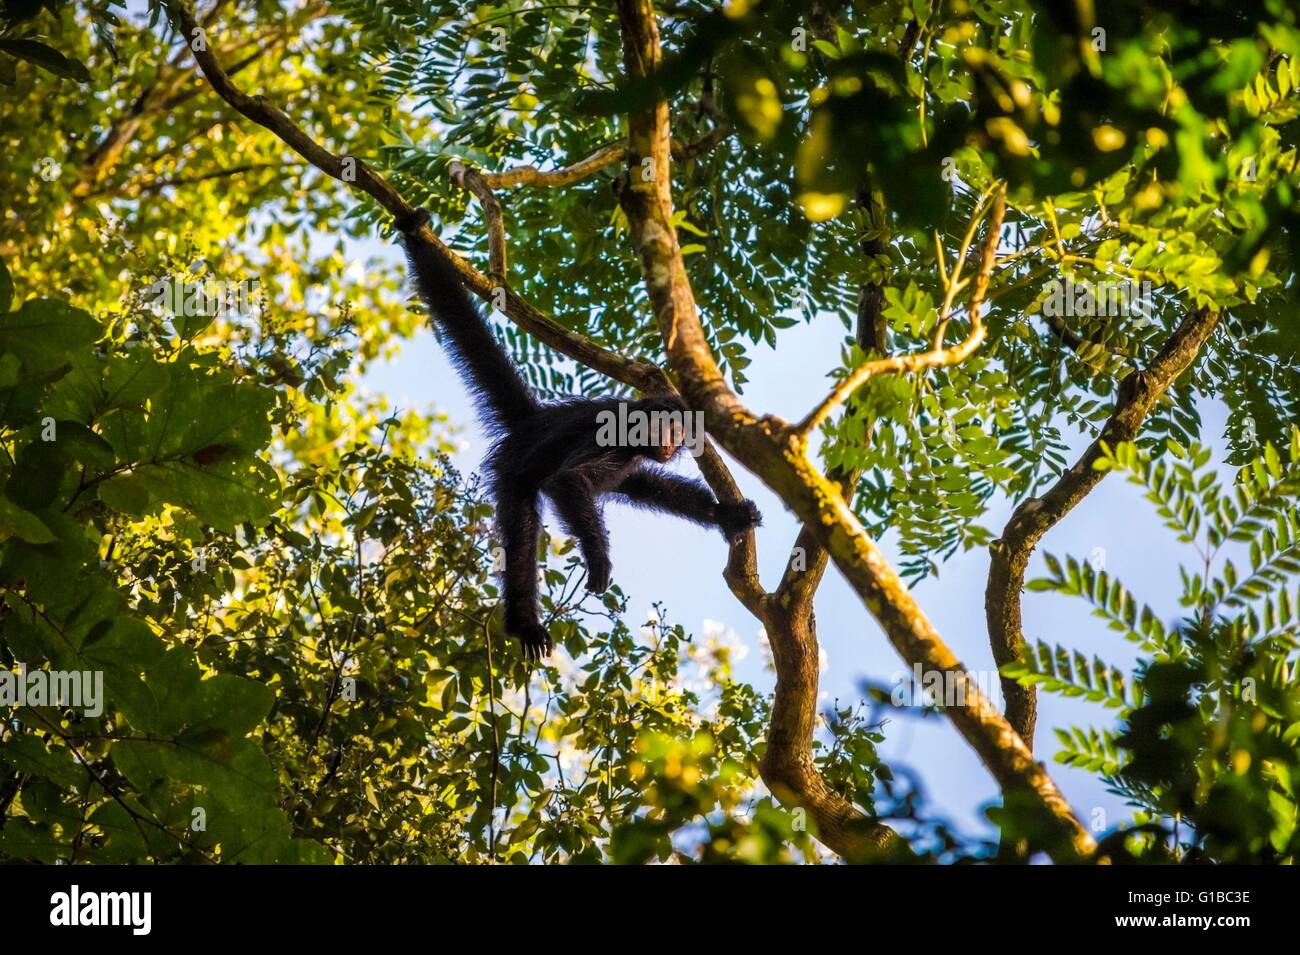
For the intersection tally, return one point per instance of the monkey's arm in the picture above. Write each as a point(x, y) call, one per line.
point(662, 490)
point(576, 507)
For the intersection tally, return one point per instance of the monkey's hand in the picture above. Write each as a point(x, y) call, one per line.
point(598, 571)
point(737, 517)
point(412, 223)
point(536, 641)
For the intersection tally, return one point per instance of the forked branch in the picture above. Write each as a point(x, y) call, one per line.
point(1035, 516)
point(469, 178)
point(771, 451)
point(936, 357)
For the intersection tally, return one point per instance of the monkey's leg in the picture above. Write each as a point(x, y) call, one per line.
point(576, 506)
point(520, 528)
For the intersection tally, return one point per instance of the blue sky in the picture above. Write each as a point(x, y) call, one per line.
point(658, 559)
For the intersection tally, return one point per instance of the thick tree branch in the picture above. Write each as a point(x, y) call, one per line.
point(770, 449)
point(787, 767)
point(1035, 516)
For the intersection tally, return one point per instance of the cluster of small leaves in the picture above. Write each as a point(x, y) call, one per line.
point(98, 432)
point(1091, 749)
point(1110, 601)
point(850, 762)
point(1067, 673)
point(23, 35)
point(1211, 715)
point(689, 780)
point(308, 666)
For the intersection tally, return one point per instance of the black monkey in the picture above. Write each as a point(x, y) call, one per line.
point(552, 450)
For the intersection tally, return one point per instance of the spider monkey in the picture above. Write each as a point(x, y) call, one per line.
point(552, 450)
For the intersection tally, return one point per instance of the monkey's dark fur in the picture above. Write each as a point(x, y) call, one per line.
point(551, 450)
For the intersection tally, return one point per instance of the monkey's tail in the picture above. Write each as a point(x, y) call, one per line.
point(503, 398)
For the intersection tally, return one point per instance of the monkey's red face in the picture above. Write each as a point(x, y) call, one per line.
point(670, 441)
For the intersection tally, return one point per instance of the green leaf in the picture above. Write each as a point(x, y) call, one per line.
point(47, 334)
point(42, 757)
point(37, 475)
point(192, 415)
point(23, 524)
point(47, 58)
point(225, 494)
point(190, 443)
point(126, 493)
point(23, 839)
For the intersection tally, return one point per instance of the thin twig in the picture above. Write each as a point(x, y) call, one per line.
point(934, 357)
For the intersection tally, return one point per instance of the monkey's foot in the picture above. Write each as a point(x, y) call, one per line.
point(535, 639)
point(413, 222)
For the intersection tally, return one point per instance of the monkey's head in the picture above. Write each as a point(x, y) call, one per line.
point(671, 440)
point(668, 417)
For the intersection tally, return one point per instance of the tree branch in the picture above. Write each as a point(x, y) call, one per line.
point(770, 449)
point(787, 767)
point(602, 158)
point(260, 110)
point(156, 185)
point(1034, 517)
point(163, 94)
point(566, 176)
point(469, 178)
point(935, 357)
